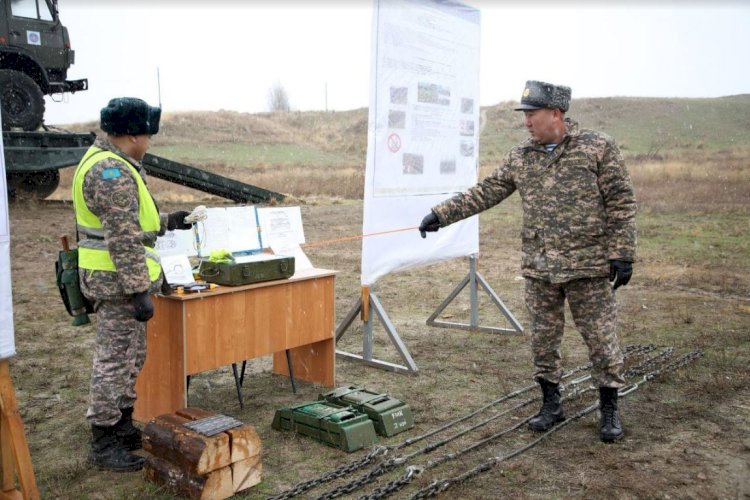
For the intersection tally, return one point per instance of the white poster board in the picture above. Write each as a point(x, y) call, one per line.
point(7, 336)
point(282, 232)
point(423, 136)
point(237, 229)
point(225, 228)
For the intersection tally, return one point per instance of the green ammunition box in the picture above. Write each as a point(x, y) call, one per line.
point(337, 426)
point(273, 267)
point(389, 415)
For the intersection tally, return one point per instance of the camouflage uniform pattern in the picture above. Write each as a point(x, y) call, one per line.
point(115, 203)
point(119, 354)
point(120, 340)
point(594, 311)
point(578, 214)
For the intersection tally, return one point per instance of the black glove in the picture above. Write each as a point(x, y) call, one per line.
point(176, 220)
point(620, 273)
point(429, 223)
point(144, 308)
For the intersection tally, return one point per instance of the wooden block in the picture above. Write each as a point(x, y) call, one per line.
point(246, 473)
point(215, 485)
point(244, 441)
point(166, 438)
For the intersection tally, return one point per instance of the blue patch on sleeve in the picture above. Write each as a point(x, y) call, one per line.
point(111, 173)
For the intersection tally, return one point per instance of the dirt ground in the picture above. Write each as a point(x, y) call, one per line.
point(687, 433)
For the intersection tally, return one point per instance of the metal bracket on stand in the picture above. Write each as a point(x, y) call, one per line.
point(363, 305)
point(473, 279)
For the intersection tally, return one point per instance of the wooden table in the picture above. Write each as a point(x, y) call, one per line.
point(203, 331)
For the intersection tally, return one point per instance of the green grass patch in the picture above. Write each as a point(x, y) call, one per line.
point(691, 239)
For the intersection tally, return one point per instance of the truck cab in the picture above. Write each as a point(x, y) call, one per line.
point(35, 55)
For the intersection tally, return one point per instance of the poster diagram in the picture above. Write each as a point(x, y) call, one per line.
point(427, 133)
point(423, 131)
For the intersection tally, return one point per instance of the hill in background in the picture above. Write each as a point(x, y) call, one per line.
point(641, 126)
point(315, 152)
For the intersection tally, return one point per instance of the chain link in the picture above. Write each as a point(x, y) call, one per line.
point(388, 465)
point(341, 471)
point(438, 486)
point(384, 491)
point(356, 484)
point(650, 364)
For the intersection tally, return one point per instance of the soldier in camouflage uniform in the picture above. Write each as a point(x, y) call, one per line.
point(118, 222)
point(578, 235)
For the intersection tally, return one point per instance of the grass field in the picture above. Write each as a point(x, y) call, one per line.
point(686, 433)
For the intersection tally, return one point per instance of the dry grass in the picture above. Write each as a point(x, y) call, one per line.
point(686, 435)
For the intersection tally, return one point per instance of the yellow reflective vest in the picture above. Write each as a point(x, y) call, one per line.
point(93, 253)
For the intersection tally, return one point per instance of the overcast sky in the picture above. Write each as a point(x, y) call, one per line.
point(226, 54)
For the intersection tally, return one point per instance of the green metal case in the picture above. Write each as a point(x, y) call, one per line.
point(236, 273)
point(389, 415)
point(340, 427)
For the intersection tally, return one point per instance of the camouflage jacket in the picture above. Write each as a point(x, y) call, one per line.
point(578, 205)
point(115, 203)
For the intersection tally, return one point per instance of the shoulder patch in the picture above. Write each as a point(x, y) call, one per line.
point(111, 173)
point(121, 199)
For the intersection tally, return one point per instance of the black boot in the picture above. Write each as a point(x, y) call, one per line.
point(610, 427)
point(108, 454)
point(126, 433)
point(552, 411)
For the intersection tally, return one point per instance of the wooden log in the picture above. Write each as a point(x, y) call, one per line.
point(215, 485)
point(244, 441)
point(246, 473)
point(166, 438)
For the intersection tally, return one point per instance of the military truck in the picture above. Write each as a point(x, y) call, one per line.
point(35, 56)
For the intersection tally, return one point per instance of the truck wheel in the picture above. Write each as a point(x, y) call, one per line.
point(21, 99)
point(24, 185)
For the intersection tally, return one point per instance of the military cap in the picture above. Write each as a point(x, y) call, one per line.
point(130, 116)
point(537, 95)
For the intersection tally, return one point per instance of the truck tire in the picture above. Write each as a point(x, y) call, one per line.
point(35, 185)
point(21, 99)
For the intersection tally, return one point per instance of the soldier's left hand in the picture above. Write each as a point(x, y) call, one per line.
point(176, 220)
point(620, 272)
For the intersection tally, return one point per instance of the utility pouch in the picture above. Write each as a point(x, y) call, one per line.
point(66, 273)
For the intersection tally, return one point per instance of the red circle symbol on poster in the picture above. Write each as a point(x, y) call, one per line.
point(394, 143)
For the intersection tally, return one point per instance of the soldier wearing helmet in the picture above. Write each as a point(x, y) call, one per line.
point(117, 222)
point(578, 242)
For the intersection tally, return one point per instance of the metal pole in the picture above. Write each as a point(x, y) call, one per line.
point(367, 327)
point(474, 321)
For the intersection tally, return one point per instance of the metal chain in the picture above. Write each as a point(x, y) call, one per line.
point(674, 365)
point(341, 471)
point(394, 462)
point(351, 467)
point(439, 486)
point(506, 397)
point(412, 471)
point(378, 471)
point(650, 364)
point(578, 390)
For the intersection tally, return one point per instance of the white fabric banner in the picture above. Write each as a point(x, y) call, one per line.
point(423, 136)
point(7, 337)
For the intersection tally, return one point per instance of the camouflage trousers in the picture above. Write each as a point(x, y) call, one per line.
point(119, 354)
point(594, 310)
